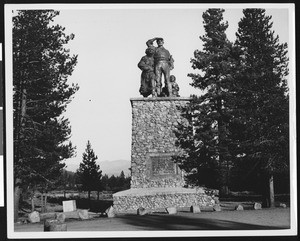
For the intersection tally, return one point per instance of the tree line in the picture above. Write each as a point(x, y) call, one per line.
point(237, 131)
point(69, 181)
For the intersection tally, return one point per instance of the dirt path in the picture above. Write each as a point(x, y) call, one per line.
point(277, 218)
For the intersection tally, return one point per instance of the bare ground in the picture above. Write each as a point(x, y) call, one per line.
point(265, 219)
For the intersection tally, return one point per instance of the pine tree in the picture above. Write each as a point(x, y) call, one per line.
point(89, 172)
point(205, 138)
point(41, 67)
point(262, 112)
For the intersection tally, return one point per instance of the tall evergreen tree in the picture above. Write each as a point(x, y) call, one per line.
point(41, 67)
point(262, 112)
point(205, 139)
point(89, 172)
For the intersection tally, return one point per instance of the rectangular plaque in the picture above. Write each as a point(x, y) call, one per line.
point(163, 165)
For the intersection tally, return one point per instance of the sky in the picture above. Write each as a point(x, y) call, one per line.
point(110, 42)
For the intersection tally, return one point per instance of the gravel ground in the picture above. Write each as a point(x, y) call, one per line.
point(265, 219)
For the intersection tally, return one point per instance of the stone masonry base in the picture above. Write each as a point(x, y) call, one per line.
point(154, 199)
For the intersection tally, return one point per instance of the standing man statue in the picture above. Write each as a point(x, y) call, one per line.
point(163, 63)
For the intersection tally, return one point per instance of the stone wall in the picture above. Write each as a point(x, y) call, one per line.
point(154, 121)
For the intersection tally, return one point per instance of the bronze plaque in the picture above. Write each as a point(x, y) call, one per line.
point(163, 165)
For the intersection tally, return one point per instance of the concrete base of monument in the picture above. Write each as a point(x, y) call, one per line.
point(156, 199)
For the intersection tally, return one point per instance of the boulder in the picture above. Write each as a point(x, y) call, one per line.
point(195, 209)
point(171, 210)
point(54, 225)
point(83, 214)
point(34, 217)
point(110, 212)
point(283, 205)
point(257, 206)
point(217, 208)
point(239, 208)
point(61, 217)
point(142, 211)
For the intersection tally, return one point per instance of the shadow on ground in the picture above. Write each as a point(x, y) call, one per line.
point(174, 222)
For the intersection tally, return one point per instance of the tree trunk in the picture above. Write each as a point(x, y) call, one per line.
point(42, 203)
point(98, 194)
point(20, 116)
point(271, 191)
point(224, 165)
point(32, 203)
point(45, 204)
point(17, 194)
point(89, 195)
point(224, 190)
point(265, 188)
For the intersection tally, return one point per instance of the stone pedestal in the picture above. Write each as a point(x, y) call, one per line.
point(158, 199)
point(156, 180)
point(154, 121)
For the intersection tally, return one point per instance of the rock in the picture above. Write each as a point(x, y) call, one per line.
point(257, 206)
point(195, 209)
point(83, 214)
point(283, 205)
point(110, 212)
point(22, 220)
point(142, 211)
point(61, 217)
point(239, 208)
point(217, 208)
point(54, 225)
point(171, 210)
point(34, 217)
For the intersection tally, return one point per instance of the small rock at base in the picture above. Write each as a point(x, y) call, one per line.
point(110, 212)
point(171, 210)
point(195, 209)
point(60, 217)
point(83, 214)
point(283, 205)
point(34, 217)
point(239, 208)
point(141, 211)
point(257, 206)
point(54, 225)
point(217, 208)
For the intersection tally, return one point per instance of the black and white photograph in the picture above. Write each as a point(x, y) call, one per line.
point(150, 120)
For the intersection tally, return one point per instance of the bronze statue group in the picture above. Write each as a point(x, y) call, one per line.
point(157, 63)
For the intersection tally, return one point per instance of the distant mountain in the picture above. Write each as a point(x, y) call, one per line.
point(115, 167)
point(108, 167)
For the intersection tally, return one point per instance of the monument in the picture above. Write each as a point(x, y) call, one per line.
point(157, 182)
